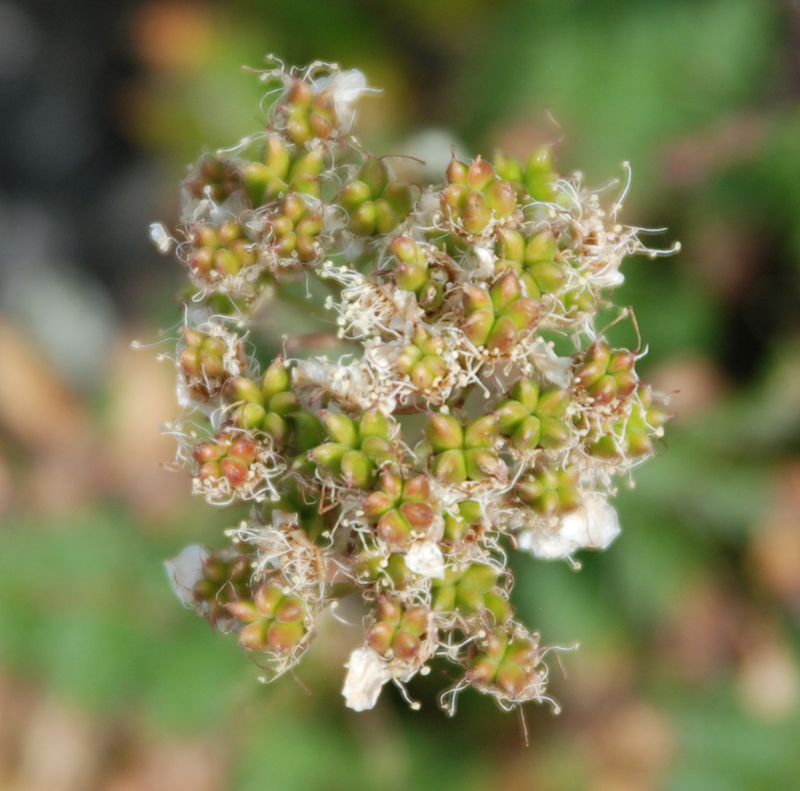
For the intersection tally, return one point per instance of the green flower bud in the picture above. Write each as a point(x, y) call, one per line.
point(445, 432)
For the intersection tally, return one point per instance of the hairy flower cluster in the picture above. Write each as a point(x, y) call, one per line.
point(449, 431)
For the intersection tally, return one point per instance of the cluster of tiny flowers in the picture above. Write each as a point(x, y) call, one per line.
point(450, 433)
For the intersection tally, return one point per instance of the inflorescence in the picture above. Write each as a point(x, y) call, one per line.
point(452, 430)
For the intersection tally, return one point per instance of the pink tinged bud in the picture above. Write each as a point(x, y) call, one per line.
point(357, 470)
point(210, 470)
point(189, 361)
point(481, 432)
point(205, 236)
point(203, 260)
point(476, 298)
point(416, 620)
point(480, 174)
point(405, 250)
point(604, 390)
point(377, 504)
point(627, 382)
point(283, 637)
point(589, 373)
point(524, 313)
point(621, 361)
point(267, 600)
point(478, 327)
point(391, 485)
point(322, 124)
point(417, 489)
point(456, 171)
point(445, 432)
point(506, 291)
point(244, 449)
point(306, 248)
point(638, 444)
point(502, 198)
point(207, 451)
point(394, 529)
point(245, 611)
point(503, 336)
point(450, 467)
point(380, 637)
point(482, 672)
point(292, 608)
point(406, 645)
point(389, 611)
point(235, 470)
point(293, 207)
point(527, 433)
point(193, 338)
point(418, 515)
point(427, 372)
point(299, 93)
point(511, 680)
point(601, 352)
point(476, 213)
point(254, 637)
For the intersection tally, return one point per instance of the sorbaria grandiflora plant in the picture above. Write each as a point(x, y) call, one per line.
point(448, 432)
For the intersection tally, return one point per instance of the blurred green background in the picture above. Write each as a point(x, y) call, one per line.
point(688, 674)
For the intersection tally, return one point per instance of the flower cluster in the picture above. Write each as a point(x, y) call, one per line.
point(474, 409)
